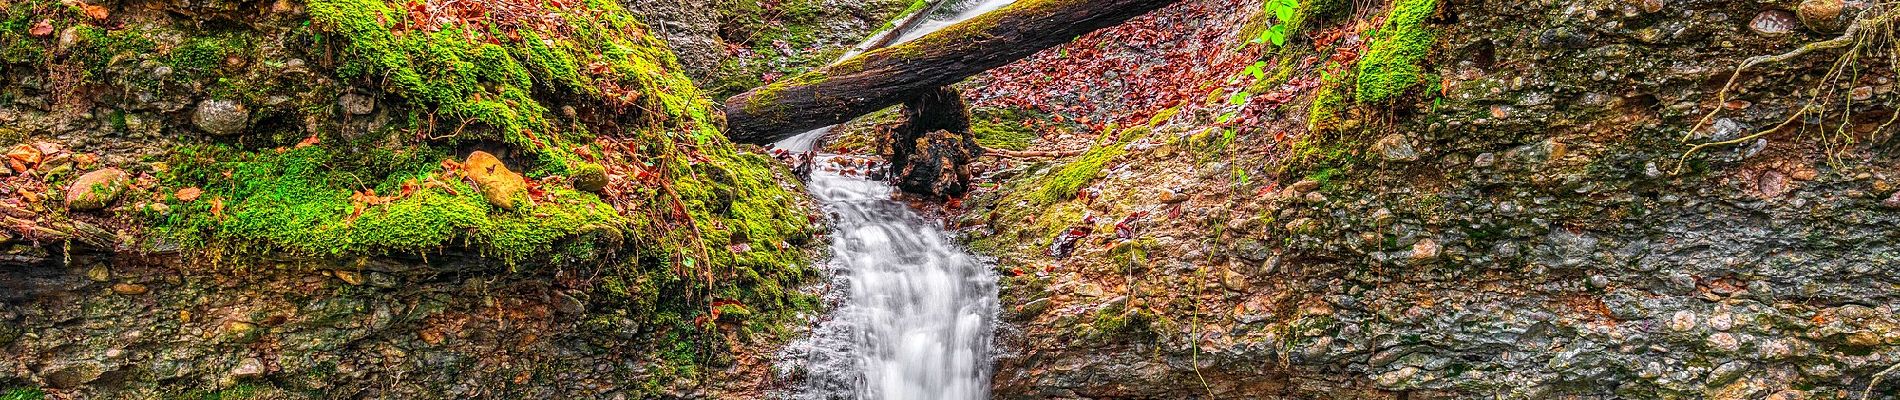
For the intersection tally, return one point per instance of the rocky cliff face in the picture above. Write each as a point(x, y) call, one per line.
point(1450, 200)
point(379, 199)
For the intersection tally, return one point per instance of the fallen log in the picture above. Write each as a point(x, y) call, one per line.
point(887, 76)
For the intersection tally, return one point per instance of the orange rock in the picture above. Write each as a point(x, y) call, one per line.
point(129, 289)
point(502, 187)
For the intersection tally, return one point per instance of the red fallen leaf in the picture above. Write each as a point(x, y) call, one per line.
point(188, 194)
point(217, 207)
point(309, 141)
point(1064, 243)
point(96, 12)
point(1126, 229)
point(43, 28)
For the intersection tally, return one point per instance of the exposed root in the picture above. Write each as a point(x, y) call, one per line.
point(1872, 25)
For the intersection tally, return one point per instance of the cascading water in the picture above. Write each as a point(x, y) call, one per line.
point(918, 311)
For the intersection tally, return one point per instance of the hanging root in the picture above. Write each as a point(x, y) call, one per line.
point(1872, 24)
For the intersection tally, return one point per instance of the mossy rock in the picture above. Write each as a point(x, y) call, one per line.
point(96, 189)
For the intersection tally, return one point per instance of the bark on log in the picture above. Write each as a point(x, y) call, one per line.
point(887, 76)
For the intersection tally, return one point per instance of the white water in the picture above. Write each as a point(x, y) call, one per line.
point(918, 311)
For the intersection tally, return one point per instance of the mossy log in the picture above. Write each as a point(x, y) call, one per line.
point(887, 76)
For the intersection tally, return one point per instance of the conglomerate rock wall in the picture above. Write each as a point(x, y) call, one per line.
point(1450, 200)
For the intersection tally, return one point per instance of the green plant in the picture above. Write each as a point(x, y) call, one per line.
point(1285, 11)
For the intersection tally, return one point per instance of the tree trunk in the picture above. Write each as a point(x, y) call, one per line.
point(890, 75)
point(931, 150)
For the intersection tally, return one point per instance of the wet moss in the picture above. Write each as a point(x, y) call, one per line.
point(295, 201)
point(1066, 182)
point(1003, 128)
point(1392, 62)
point(22, 393)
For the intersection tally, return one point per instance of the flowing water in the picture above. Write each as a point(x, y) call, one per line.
point(915, 311)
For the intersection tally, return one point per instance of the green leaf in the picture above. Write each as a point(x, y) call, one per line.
point(1285, 14)
point(1258, 70)
point(1277, 35)
point(1238, 98)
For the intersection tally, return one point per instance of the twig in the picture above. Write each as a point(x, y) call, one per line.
point(1869, 391)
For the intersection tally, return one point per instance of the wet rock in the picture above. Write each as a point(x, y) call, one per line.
point(1484, 160)
point(502, 187)
point(1683, 321)
point(1652, 6)
point(1304, 186)
point(248, 368)
point(1822, 15)
point(1396, 148)
point(356, 103)
point(128, 289)
point(96, 189)
point(1425, 250)
point(1251, 250)
point(351, 277)
point(1773, 22)
point(1171, 196)
point(72, 376)
point(221, 117)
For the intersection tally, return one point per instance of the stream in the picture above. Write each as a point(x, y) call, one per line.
point(915, 311)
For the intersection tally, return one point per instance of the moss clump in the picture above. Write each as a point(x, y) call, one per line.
point(22, 394)
point(1003, 128)
point(1391, 64)
point(17, 43)
point(296, 201)
point(1069, 180)
point(1325, 114)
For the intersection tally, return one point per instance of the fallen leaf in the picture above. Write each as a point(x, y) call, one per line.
point(217, 207)
point(43, 28)
point(1065, 242)
point(309, 141)
point(188, 194)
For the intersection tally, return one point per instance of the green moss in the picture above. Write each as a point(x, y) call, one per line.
point(295, 201)
point(17, 44)
point(1003, 128)
point(96, 49)
point(199, 57)
point(1325, 113)
point(22, 394)
point(1066, 182)
point(235, 392)
point(1391, 64)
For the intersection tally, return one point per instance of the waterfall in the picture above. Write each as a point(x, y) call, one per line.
point(917, 311)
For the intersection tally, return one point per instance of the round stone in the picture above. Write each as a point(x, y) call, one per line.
point(221, 117)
